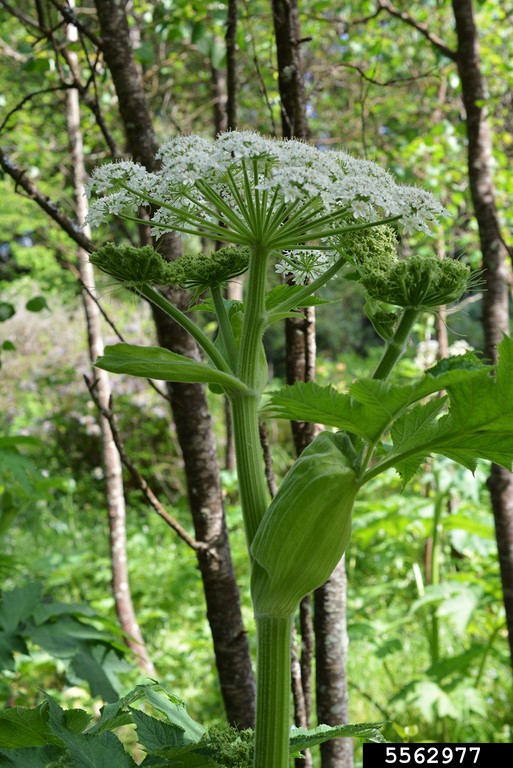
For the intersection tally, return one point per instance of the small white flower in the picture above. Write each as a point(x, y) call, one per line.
point(235, 180)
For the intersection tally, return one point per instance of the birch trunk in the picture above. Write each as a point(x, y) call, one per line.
point(111, 461)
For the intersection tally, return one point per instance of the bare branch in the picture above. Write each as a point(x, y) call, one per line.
point(141, 483)
point(69, 15)
point(436, 41)
point(21, 178)
point(393, 81)
point(30, 96)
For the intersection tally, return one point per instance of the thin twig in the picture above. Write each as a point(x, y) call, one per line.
point(139, 480)
point(21, 179)
point(28, 97)
point(68, 14)
point(393, 81)
point(420, 27)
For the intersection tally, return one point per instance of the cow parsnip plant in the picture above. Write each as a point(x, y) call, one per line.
point(314, 214)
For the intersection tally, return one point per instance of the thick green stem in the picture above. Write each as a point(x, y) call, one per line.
point(225, 327)
point(250, 473)
point(397, 347)
point(204, 342)
point(250, 469)
point(273, 692)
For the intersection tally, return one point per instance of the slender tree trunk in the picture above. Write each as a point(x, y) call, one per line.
point(190, 410)
point(111, 461)
point(495, 255)
point(331, 649)
point(232, 78)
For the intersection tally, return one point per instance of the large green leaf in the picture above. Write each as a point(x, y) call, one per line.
point(478, 425)
point(302, 738)
point(33, 757)
point(310, 402)
point(19, 604)
point(103, 750)
point(175, 711)
point(20, 727)
point(159, 363)
point(371, 406)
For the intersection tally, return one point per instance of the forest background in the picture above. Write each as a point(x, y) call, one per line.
point(429, 600)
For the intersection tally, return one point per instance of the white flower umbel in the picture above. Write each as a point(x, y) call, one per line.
point(249, 190)
point(306, 264)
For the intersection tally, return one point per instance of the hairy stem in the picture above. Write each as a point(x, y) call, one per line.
point(225, 327)
point(396, 348)
point(273, 692)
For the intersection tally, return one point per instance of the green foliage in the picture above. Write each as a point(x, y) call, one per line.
point(66, 631)
point(478, 424)
point(47, 734)
point(159, 363)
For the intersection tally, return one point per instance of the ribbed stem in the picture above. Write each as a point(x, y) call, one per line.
point(225, 328)
point(254, 318)
point(250, 471)
point(273, 692)
point(397, 347)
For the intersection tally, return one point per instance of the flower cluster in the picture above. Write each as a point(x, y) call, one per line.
point(249, 190)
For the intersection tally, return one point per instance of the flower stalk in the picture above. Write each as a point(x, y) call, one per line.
point(282, 199)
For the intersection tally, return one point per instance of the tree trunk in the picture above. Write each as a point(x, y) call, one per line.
point(190, 410)
point(111, 460)
point(331, 654)
point(495, 254)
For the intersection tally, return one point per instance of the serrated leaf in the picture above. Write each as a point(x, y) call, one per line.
point(159, 363)
point(303, 738)
point(307, 401)
point(478, 425)
point(101, 750)
point(156, 734)
point(104, 750)
point(20, 727)
point(98, 667)
point(371, 405)
point(32, 757)
point(112, 715)
point(175, 711)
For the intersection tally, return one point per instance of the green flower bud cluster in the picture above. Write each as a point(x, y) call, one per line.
point(372, 248)
point(135, 266)
point(228, 747)
point(132, 266)
point(419, 282)
point(202, 271)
